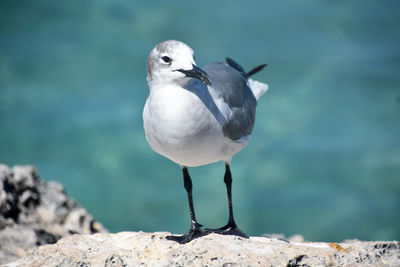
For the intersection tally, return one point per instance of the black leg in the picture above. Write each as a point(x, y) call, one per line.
point(230, 228)
point(195, 230)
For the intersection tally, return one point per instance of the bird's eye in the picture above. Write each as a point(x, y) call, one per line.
point(166, 59)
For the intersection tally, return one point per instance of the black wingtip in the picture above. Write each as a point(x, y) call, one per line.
point(239, 68)
point(256, 69)
point(236, 66)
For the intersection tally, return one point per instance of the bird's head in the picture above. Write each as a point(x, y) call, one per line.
point(173, 61)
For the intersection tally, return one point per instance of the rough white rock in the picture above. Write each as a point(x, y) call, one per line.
point(153, 249)
point(34, 213)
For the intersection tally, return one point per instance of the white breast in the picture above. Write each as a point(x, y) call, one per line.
point(180, 127)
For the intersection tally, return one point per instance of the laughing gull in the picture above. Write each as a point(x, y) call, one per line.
point(196, 116)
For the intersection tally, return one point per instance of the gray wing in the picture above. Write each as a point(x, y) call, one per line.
point(231, 86)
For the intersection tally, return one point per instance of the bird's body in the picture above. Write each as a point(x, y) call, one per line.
point(197, 116)
point(194, 125)
point(188, 138)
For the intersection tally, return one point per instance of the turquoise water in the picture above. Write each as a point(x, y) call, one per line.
point(324, 159)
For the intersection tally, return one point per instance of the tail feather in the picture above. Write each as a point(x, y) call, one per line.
point(258, 88)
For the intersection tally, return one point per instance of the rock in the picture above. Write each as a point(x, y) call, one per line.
point(152, 249)
point(34, 212)
point(41, 226)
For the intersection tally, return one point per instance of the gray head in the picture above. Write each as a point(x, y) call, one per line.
point(173, 61)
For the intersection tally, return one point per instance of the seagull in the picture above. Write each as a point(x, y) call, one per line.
point(197, 116)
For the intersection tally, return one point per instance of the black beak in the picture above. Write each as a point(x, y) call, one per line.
point(197, 73)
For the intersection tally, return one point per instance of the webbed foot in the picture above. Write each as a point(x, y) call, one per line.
point(189, 236)
point(229, 229)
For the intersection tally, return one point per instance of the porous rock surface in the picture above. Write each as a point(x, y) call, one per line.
point(41, 226)
point(153, 249)
point(34, 212)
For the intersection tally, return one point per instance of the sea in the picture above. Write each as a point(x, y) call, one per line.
point(324, 157)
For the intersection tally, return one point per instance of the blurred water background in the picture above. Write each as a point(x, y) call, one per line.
point(324, 160)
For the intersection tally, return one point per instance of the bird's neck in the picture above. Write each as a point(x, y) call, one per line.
point(162, 84)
